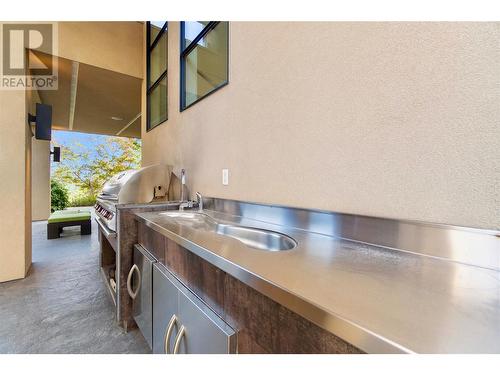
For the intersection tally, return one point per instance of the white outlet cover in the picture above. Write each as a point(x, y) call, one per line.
point(225, 177)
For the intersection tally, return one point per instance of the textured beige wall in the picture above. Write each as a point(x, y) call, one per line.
point(388, 119)
point(15, 227)
point(40, 191)
point(114, 46)
point(28, 136)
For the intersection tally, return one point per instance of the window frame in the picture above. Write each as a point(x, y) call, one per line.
point(150, 45)
point(185, 50)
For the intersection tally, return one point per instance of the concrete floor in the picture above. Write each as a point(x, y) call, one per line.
point(62, 306)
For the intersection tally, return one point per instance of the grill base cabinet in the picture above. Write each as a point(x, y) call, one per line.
point(182, 323)
point(139, 286)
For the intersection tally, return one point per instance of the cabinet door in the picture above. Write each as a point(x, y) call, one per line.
point(201, 331)
point(140, 287)
point(165, 302)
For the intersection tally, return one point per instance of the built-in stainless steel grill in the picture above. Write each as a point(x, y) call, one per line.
point(134, 186)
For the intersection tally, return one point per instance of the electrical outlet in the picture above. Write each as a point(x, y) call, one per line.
point(225, 177)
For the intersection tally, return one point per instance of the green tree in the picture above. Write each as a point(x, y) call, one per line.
point(58, 196)
point(88, 170)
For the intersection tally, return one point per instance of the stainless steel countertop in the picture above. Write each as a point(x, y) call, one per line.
point(380, 300)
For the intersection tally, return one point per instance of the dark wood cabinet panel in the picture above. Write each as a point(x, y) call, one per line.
point(176, 258)
point(254, 314)
point(298, 335)
point(153, 241)
point(207, 281)
point(263, 325)
point(127, 238)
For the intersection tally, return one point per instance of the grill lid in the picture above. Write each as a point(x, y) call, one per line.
point(136, 186)
point(113, 186)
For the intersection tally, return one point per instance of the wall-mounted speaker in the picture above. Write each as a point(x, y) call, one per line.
point(57, 154)
point(43, 121)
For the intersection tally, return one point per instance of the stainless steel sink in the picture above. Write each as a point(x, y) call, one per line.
point(257, 238)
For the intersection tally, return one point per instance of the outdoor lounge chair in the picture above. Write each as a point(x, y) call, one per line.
point(68, 218)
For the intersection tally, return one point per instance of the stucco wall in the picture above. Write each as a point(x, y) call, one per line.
point(397, 120)
point(40, 190)
point(15, 228)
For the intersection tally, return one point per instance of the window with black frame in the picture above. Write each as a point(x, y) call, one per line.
point(204, 59)
point(157, 59)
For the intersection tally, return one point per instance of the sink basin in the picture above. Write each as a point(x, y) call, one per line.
point(257, 238)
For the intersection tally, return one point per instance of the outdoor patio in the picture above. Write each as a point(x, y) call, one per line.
point(62, 306)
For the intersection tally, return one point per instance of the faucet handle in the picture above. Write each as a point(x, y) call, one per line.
point(199, 199)
point(183, 176)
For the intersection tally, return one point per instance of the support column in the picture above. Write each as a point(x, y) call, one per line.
point(15, 186)
point(40, 191)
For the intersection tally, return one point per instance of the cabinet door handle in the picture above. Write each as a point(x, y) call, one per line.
point(168, 333)
point(178, 339)
point(131, 293)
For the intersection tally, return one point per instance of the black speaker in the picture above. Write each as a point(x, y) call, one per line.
point(43, 121)
point(57, 154)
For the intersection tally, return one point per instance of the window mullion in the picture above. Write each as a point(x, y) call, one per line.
point(160, 113)
point(157, 38)
point(211, 25)
point(217, 83)
point(155, 83)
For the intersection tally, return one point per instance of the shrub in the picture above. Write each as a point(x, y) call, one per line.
point(82, 201)
point(58, 196)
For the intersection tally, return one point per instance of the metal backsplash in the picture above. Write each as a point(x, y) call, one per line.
point(466, 245)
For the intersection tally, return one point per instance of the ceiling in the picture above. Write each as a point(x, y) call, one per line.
point(88, 97)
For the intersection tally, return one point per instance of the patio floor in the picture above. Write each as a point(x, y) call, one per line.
point(62, 306)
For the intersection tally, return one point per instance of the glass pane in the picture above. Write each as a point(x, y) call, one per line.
point(158, 61)
point(155, 27)
point(192, 29)
point(158, 104)
point(206, 65)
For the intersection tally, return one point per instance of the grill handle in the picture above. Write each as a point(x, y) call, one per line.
point(107, 233)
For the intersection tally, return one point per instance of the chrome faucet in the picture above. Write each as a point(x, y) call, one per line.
point(183, 185)
point(184, 202)
point(199, 199)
